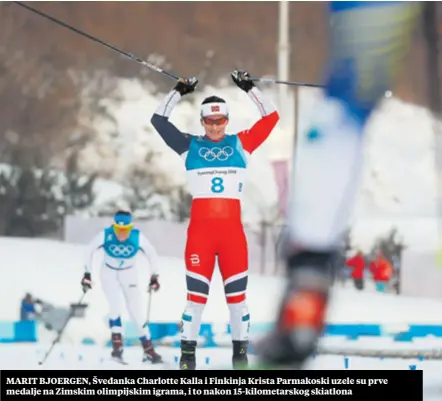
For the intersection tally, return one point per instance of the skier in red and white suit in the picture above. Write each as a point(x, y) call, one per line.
point(216, 165)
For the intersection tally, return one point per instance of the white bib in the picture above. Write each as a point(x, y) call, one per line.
point(218, 182)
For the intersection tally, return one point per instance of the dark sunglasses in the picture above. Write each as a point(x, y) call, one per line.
point(213, 121)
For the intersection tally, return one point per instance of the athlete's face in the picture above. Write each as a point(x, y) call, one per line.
point(122, 235)
point(215, 126)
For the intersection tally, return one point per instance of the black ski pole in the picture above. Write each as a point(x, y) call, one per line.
point(277, 81)
point(60, 332)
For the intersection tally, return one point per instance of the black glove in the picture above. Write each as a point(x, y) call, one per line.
point(86, 282)
point(154, 285)
point(186, 85)
point(241, 79)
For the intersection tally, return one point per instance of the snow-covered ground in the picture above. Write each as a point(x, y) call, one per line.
point(94, 357)
point(22, 357)
point(52, 270)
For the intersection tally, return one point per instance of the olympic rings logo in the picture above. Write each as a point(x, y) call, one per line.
point(121, 250)
point(220, 154)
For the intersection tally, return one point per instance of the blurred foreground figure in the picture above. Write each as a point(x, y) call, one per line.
point(119, 280)
point(216, 165)
point(369, 41)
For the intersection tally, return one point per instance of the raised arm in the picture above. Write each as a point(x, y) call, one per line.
point(254, 137)
point(174, 138)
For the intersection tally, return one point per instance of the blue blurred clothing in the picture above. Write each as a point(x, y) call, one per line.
point(27, 310)
point(381, 286)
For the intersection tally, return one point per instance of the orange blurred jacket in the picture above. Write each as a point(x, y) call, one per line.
point(381, 269)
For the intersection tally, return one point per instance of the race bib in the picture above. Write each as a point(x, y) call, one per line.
point(216, 183)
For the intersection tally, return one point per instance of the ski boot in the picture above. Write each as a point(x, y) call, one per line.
point(302, 314)
point(188, 360)
point(117, 347)
point(239, 358)
point(149, 353)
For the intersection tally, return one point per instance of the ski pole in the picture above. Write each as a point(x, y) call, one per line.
point(277, 81)
point(60, 332)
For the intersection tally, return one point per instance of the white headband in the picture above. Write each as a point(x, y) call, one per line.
point(211, 109)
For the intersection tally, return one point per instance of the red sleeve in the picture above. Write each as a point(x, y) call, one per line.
point(253, 138)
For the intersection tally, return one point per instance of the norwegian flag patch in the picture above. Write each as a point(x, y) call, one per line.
point(214, 109)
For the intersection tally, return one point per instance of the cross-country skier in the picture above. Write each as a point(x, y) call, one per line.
point(369, 41)
point(216, 165)
point(121, 243)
